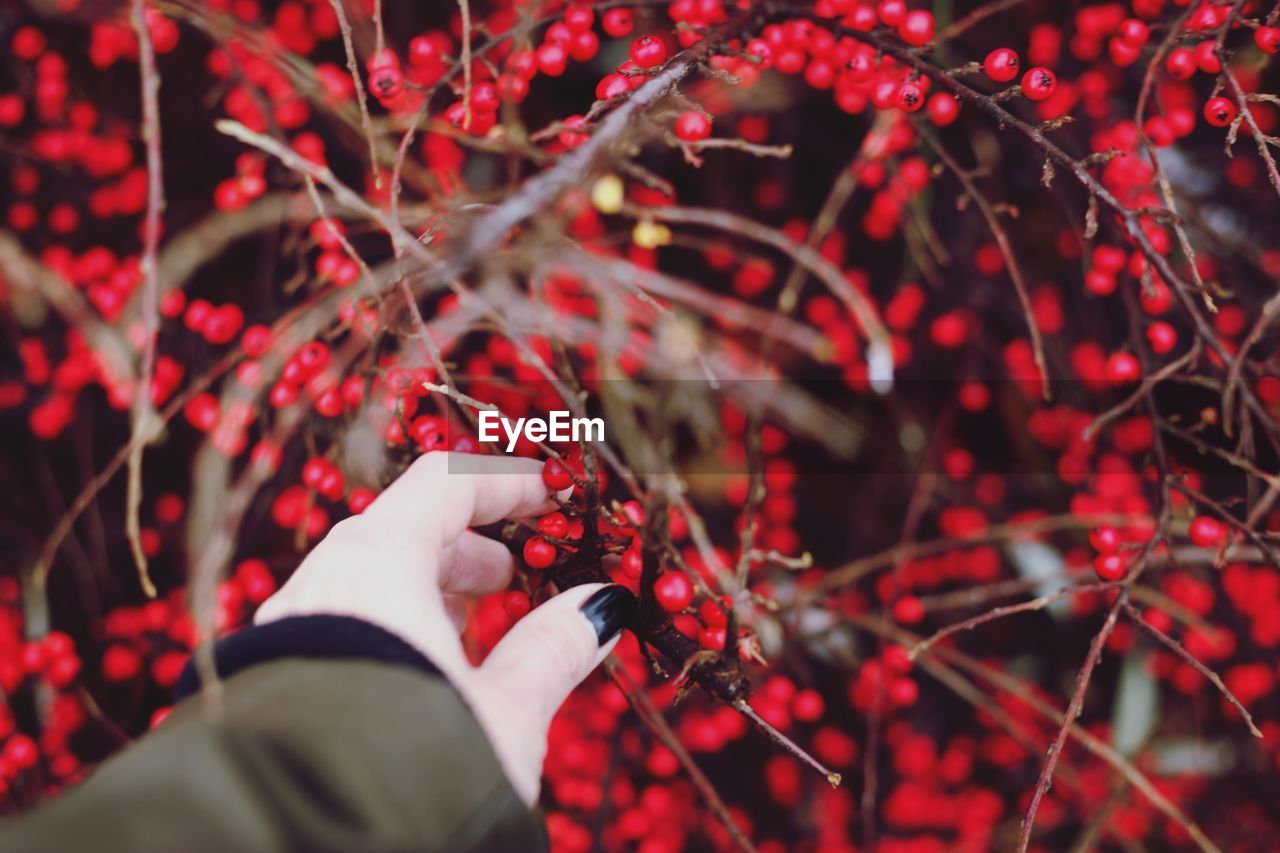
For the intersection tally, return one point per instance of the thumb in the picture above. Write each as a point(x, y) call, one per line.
point(530, 673)
point(552, 649)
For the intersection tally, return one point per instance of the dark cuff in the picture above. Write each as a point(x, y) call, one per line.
point(321, 635)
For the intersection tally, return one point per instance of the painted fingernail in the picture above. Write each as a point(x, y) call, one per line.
point(609, 610)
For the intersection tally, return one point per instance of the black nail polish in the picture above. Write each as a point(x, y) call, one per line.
point(609, 610)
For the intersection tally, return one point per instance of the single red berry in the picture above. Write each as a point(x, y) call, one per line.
point(1104, 539)
point(1038, 83)
point(1162, 337)
point(632, 563)
point(712, 639)
point(553, 59)
point(612, 86)
point(359, 499)
point(539, 553)
point(942, 108)
point(579, 17)
point(1001, 65)
point(617, 22)
point(917, 27)
point(908, 610)
point(1180, 63)
point(713, 614)
point(1110, 567)
point(256, 340)
point(692, 126)
point(891, 12)
point(382, 59)
point(1206, 532)
point(329, 403)
point(674, 591)
point(1134, 32)
point(556, 476)
point(897, 659)
point(1219, 111)
point(1207, 58)
point(1122, 368)
point(648, 52)
point(807, 706)
point(1099, 282)
point(909, 98)
point(386, 83)
point(21, 752)
point(554, 525)
point(517, 604)
point(1267, 39)
point(903, 692)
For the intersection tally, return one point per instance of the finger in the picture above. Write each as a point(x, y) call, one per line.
point(475, 565)
point(551, 650)
point(458, 608)
point(442, 494)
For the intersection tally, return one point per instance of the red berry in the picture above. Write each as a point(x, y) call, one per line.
point(903, 692)
point(556, 476)
point(1206, 532)
point(632, 563)
point(554, 525)
point(359, 499)
point(1162, 337)
point(1001, 65)
point(917, 27)
point(1219, 111)
point(617, 22)
point(712, 639)
point(1134, 32)
point(897, 659)
point(256, 340)
point(1180, 63)
point(942, 108)
point(692, 126)
point(1206, 59)
point(648, 52)
point(908, 610)
point(552, 59)
point(517, 604)
point(579, 17)
point(1105, 539)
point(713, 614)
point(1267, 39)
point(539, 553)
point(891, 12)
point(909, 97)
point(21, 752)
point(674, 591)
point(1122, 368)
point(1038, 83)
point(386, 84)
point(1110, 567)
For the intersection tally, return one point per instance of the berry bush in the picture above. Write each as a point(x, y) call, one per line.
point(935, 343)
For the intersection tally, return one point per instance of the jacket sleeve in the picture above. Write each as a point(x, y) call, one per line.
point(319, 740)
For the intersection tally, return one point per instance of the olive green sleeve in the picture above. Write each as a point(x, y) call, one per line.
point(300, 754)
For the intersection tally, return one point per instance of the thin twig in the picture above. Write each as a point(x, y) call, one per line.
point(143, 413)
point(1181, 651)
point(353, 65)
point(1009, 610)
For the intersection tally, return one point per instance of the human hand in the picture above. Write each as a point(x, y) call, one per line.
point(408, 563)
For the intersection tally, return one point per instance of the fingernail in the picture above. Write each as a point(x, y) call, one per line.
point(609, 610)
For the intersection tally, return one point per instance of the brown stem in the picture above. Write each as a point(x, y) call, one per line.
point(1181, 651)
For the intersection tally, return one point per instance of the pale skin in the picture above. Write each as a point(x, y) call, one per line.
point(409, 564)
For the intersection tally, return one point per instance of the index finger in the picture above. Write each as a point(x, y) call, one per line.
point(442, 494)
